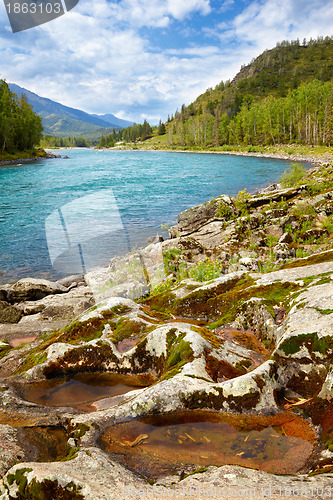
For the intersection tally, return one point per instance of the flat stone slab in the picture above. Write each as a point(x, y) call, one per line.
point(294, 274)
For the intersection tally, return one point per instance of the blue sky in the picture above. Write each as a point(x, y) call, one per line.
point(143, 59)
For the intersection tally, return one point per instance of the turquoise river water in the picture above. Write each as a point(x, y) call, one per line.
point(60, 216)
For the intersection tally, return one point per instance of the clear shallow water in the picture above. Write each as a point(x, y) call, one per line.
point(81, 389)
point(160, 445)
point(141, 191)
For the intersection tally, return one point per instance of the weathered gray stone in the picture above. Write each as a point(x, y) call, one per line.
point(295, 274)
point(10, 449)
point(274, 213)
point(98, 477)
point(155, 239)
point(247, 262)
point(274, 230)
point(74, 279)
point(61, 306)
point(286, 238)
point(315, 233)
point(94, 476)
point(210, 235)
point(283, 251)
point(286, 194)
point(256, 220)
point(194, 218)
point(34, 289)
point(255, 317)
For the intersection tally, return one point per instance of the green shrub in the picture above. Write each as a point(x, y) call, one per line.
point(303, 208)
point(328, 224)
point(301, 253)
point(291, 178)
point(223, 211)
point(207, 270)
point(241, 201)
point(272, 240)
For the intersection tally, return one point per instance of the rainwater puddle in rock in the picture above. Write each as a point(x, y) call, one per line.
point(18, 342)
point(156, 446)
point(81, 390)
point(43, 444)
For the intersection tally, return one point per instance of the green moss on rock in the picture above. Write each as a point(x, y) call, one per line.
point(208, 335)
point(125, 328)
point(312, 259)
point(46, 490)
point(180, 352)
point(225, 307)
point(311, 341)
point(34, 358)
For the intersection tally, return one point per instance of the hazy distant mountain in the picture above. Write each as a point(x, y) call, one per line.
point(114, 120)
point(63, 121)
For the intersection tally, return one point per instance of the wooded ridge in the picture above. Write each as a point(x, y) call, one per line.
point(285, 95)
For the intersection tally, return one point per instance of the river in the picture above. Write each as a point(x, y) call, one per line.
point(58, 216)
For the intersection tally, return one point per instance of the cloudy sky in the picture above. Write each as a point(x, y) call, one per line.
point(144, 58)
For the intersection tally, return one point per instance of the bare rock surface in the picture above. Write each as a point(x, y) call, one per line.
point(10, 450)
point(34, 289)
point(94, 476)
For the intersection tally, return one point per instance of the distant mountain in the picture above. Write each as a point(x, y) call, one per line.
point(114, 120)
point(63, 121)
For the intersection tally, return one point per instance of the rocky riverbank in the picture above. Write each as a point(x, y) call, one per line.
point(41, 154)
point(317, 155)
point(232, 317)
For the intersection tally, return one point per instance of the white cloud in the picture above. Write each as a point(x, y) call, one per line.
point(179, 9)
point(226, 5)
point(265, 23)
point(154, 13)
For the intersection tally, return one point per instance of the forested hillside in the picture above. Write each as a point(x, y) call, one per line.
point(285, 95)
point(20, 128)
point(136, 132)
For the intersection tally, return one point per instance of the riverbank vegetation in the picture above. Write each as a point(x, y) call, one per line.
point(284, 96)
point(133, 134)
point(20, 128)
point(49, 141)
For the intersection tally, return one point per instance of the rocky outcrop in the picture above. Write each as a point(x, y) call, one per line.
point(10, 449)
point(31, 302)
point(33, 289)
point(66, 305)
point(94, 476)
point(219, 371)
point(192, 219)
point(221, 318)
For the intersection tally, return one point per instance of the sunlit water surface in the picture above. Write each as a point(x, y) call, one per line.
point(48, 204)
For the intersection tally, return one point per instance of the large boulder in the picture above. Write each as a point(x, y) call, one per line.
point(265, 199)
point(33, 289)
point(194, 218)
point(66, 305)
